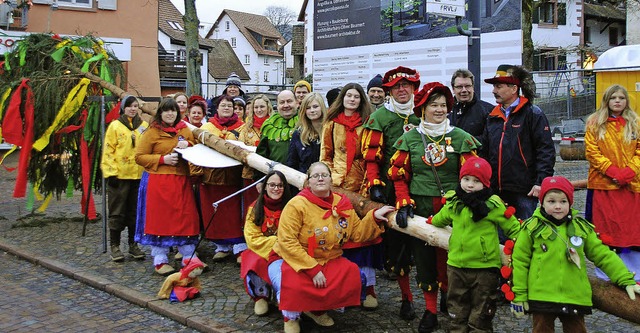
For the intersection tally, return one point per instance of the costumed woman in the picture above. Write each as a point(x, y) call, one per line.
point(426, 164)
point(260, 232)
point(167, 213)
point(341, 150)
point(309, 274)
point(183, 103)
point(305, 141)
point(123, 175)
point(612, 142)
point(224, 226)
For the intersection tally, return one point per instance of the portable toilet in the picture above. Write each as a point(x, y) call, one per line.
point(619, 65)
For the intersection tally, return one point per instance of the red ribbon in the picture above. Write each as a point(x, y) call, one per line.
point(343, 205)
point(13, 127)
point(620, 122)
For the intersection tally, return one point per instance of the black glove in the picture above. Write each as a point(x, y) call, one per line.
point(112, 181)
point(376, 193)
point(403, 213)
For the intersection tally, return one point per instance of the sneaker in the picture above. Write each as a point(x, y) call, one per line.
point(292, 326)
point(219, 256)
point(135, 251)
point(370, 302)
point(407, 311)
point(261, 307)
point(165, 269)
point(116, 254)
point(428, 323)
point(322, 320)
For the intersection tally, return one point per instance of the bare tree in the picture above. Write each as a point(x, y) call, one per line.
point(281, 18)
point(194, 58)
point(527, 41)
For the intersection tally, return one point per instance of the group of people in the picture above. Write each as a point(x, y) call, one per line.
point(423, 150)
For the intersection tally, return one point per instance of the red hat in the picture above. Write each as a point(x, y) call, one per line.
point(392, 77)
point(479, 168)
point(504, 74)
point(556, 183)
point(422, 96)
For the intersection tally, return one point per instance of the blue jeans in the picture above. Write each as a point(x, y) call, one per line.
point(524, 205)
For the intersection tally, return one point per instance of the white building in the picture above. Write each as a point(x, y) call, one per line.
point(257, 44)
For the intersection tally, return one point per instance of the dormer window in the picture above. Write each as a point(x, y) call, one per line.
point(175, 25)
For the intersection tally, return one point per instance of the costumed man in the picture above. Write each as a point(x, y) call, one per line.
point(375, 92)
point(469, 112)
point(517, 141)
point(425, 165)
point(185, 284)
point(233, 89)
point(277, 130)
point(382, 130)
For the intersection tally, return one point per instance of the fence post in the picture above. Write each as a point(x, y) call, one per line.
point(569, 101)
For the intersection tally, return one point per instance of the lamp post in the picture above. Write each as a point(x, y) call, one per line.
point(277, 63)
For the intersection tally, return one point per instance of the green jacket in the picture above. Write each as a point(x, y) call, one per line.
point(542, 270)
point(475, 244)
point(276, 136)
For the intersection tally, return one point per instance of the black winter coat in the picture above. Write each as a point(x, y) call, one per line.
point(471, 116)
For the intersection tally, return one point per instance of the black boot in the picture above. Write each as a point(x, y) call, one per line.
point(407, 312)
point(428, 323)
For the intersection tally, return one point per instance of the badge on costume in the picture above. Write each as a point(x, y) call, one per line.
point(407, 127)
point(573, 256)
point(576, 241)
point(449, 148)
point(343, 222)
point(325, 229)
point(434, 153)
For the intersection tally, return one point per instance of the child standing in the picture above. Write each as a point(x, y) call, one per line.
point(556, 241)
point(474, 248)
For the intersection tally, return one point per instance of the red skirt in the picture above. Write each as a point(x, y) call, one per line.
point(343, 288)
point(251, 262)
point(171, 207)
point(227, 223)
point(615, 215)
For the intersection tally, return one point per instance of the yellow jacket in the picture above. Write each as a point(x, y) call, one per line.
point(224, 176)
point(255, 238)
point(154, 144)
point(250, 137)
point(118, 154)
point(333, 153)
point(302, 219)
point(601, 154)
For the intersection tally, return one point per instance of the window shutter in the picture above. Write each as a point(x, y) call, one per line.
point(562, 13)
point(535, 15)
point(108, 4)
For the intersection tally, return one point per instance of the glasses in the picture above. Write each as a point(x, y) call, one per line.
point(466, 87)
point(274, 186)
point(403, 85)
point(320, 175)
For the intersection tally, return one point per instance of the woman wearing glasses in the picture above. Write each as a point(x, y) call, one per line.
point(260, 233)
point(308, 271)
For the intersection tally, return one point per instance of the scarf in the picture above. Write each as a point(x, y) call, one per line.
point(272, 211)
point(131, 124)
point(554, 220)
point(476, 201)
point(432, 130)
point(338, 210)
point(172, 130)
point(257, 121)
point(620, 122)
point(352, 141)
point(405, 109)
point(224, 122)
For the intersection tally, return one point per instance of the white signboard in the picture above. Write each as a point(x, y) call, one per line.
point(449, 8)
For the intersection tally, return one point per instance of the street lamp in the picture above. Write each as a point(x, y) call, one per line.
point(277, 63)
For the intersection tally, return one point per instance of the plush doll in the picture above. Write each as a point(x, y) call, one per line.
point(184, 284)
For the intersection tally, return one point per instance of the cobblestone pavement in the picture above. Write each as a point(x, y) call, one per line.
point(44, 301)
point(54, 240)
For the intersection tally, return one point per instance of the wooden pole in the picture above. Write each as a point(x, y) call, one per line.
point(606, 296)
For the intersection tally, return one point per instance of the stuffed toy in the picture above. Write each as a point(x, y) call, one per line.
point(184, 284)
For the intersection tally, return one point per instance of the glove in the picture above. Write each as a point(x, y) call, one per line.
point(632, 290)
point(519, 308)
point(612, 172)
point(376, 193)
point(625, 176)
point(403, 213)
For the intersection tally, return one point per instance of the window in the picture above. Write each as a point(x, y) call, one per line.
point(181, 55)
point(233, 42)
point(549, 59)
point(227, 25)
point(613, 36)
point(266, 60)
point(76, 3)
point(266, 76)
point(549, 13)
point(247, 59)
point(175, 25)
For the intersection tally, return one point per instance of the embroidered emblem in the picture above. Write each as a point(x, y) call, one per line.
point(343, 222)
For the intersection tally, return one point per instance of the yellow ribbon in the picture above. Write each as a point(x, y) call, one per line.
point(3, 99)
point(71, 105)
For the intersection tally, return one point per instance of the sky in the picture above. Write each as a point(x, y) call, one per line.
point(209, 10)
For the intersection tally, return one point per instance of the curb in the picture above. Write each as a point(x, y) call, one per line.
point(94, 280)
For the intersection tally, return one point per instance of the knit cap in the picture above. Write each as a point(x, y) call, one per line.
point(376, 82)
point(556, 183)
point(332, 95)
point(234, 80)
point(239, 100)
point(302, 83)
point(123, 102)
point(479, 168)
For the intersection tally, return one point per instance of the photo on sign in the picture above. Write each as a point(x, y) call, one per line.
point(348, 23)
